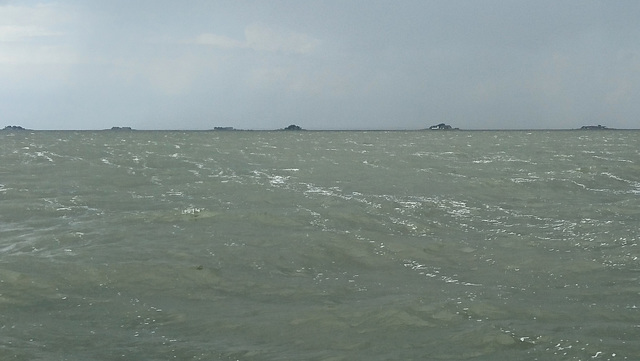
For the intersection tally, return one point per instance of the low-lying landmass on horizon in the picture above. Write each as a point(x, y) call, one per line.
point(294, 127)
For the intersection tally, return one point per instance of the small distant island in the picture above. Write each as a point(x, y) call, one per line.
point(223, 128)
point(14, 127)
point(442, 126)
point(595, 127)
point(293, 127)
point(121, 128)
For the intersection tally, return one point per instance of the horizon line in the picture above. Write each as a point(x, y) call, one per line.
point(230, 129)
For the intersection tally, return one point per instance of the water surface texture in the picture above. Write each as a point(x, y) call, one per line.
point(241, 245)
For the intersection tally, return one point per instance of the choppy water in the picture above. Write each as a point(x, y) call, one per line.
point(320, 245)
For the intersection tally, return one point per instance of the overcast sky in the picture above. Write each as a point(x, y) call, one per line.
point(320, 64)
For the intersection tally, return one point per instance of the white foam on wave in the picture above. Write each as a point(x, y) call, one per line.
point(435, 273)
point(191, 210)
point(277, 180)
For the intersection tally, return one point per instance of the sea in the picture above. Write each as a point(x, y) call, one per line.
point(319, 245)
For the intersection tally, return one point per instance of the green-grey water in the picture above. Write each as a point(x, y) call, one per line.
point(241, 245)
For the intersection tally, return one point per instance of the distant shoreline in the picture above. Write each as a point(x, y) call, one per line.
point(128, 129)
point(380, 130)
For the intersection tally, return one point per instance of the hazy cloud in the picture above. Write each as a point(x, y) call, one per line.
point(24, 33)
point(219, 41)
point(260, 37)
point(35, 54)
point(263, 38)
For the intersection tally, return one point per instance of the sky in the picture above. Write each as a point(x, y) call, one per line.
point(319, 64)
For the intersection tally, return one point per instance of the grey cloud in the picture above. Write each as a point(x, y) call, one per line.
point(347, 64)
